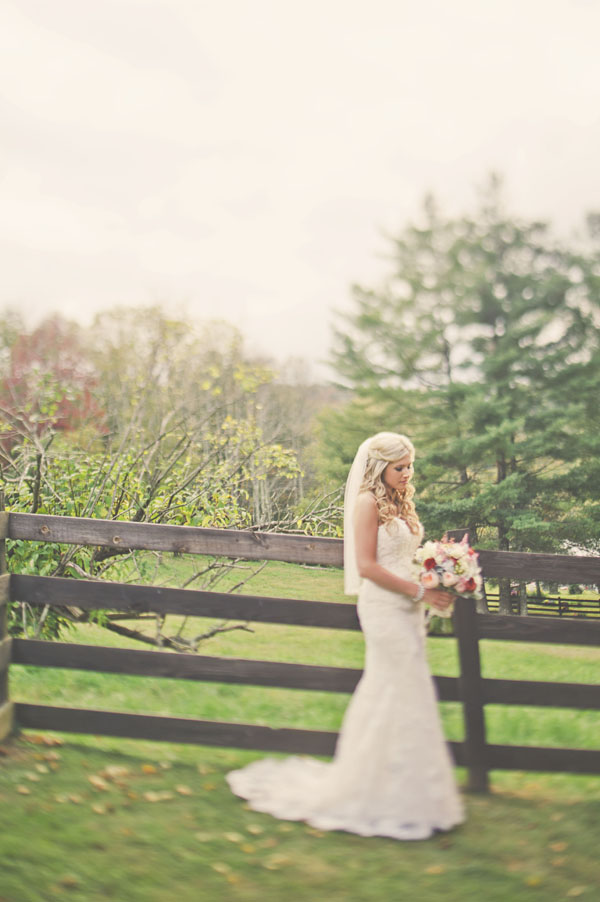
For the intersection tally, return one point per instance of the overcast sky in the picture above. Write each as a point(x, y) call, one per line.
point(242, 158)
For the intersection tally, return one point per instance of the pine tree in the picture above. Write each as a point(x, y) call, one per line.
point(483, 347)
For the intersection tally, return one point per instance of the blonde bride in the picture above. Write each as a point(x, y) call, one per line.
point(391, 774)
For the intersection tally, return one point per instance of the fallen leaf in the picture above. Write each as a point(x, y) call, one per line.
point(42, 769)
point(99, 809)
point(70, 881)
point(34, 738)
point(166, 765)
point(248, 848)
point(204, 769)
point(33, 777)
point(115, 772)
point(203, 837)
point(234, 837)
point(208, 786)
point(255, 829)
point(23, 790)
point(98, 782)
point(276, 861)
point(435, 869)
point(52, 756)
point(76, 799)
point(184, 790)
point(533, 880)
point(149, 769)
point(558, 861)
point(233, 878)
point(556, 817)
point(269, 843)
point(576, 891)
point(285, 828)
point(220, 867)
point(162, 796)
point(558, 846)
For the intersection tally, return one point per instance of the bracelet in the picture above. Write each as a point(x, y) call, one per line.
point(420, 593)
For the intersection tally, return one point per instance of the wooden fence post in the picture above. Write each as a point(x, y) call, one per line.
point(471, 693)
point(6, 708)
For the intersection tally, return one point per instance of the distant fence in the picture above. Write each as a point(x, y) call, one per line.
point(470, 688)
point(548, 605)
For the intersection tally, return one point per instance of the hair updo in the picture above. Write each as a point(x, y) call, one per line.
point(385, 448)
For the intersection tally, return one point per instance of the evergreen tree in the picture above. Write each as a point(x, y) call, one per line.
point(483, 346)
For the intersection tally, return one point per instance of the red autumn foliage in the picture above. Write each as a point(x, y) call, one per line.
point(48, 383)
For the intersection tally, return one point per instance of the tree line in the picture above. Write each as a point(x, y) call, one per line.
point(148, 418)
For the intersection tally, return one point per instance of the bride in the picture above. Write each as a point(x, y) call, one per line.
point(391, 774)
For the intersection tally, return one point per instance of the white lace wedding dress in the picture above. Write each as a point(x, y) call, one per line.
point(392, 772)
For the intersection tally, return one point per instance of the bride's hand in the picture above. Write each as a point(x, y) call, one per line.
point(436, 598)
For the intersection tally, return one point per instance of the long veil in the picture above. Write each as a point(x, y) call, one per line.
point(353, 484)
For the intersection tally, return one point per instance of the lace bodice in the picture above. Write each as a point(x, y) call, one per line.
point(396, 546)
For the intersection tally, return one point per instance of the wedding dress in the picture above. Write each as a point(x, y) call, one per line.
point(391, 774)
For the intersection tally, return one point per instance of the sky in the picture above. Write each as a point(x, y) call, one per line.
point(245, 159)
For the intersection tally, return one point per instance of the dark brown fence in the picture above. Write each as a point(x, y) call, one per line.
point(470, 688)
point(548, 605)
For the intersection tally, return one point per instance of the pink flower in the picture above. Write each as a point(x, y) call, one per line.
point(439, 561)
point(430, 579)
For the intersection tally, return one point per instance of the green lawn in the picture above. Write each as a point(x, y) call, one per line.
point(131, 821)
point(166, 827)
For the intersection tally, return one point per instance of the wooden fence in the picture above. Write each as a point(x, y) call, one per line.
point(548, 605)
point(470, 688)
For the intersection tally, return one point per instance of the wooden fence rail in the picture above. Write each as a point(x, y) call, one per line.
point(6, 708)
point(470, 689)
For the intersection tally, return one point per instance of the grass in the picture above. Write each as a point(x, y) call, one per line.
point(165, 827)
point(158, 824)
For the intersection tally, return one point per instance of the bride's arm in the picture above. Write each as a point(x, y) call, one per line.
point(366, 524)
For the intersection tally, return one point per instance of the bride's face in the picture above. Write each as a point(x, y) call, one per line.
point(397, 474)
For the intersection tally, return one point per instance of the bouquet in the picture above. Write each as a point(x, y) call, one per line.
point(451, 566)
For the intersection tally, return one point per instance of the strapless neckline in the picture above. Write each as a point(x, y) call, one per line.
point(398, 519)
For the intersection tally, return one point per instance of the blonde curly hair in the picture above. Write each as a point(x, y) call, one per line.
point(385, 448)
